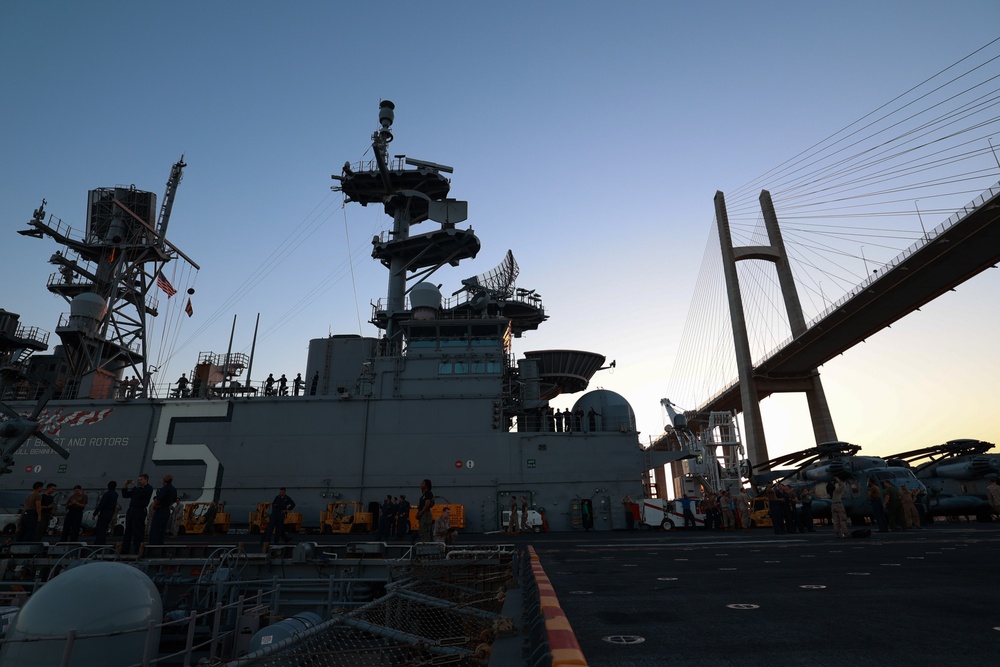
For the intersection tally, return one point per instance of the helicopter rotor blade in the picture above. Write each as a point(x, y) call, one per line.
point(9, 411)
point(57, 448)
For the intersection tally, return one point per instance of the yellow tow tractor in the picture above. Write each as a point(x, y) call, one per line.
point(345, 517)
point(202, 518)
point(760, 512)
point(258, 520)
point(457, 515)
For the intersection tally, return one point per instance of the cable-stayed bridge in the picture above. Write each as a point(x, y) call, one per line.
point(848, 212)
point(966, 244)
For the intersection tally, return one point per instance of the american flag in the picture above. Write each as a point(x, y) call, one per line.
point(164, 284)
point(52, 423)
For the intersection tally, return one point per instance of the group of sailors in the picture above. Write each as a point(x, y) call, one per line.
point(394, 518)
point(149, 512)
point(569, 421)
point(271, 387)
point(790, 512)
point(723, 510)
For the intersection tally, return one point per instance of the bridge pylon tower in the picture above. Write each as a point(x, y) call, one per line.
point(752, 385)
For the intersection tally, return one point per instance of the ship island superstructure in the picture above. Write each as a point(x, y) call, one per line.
point(438, 394)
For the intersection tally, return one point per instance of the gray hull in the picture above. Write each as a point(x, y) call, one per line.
point(324, 448)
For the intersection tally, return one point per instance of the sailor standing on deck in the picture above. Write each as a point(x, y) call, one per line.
point(743, 507)
point(297, 384)
point(74, 515)
point(31, 514)
point(910, 512)
point(878, 506)
point(281, 505)
point(48, 501)
point(166, 496)
point(105, 512)
point(182, 386)
point(135, 515)
point(402, 516)
point(837, 511)
point(512, 525)
point(424, 518)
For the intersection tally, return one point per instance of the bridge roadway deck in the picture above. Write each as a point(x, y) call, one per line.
point(920, 597)
point(950, 257)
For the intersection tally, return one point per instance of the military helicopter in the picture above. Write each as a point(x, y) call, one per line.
point(818, 467)
point(18, 429)
point(956, 475)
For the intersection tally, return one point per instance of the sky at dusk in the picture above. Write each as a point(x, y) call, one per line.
point(588, 137)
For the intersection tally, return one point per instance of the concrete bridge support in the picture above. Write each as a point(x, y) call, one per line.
point(810, 384)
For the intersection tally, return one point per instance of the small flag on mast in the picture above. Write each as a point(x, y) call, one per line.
point(188, 309)
point(164, 284)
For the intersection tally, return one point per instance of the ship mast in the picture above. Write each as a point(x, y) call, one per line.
point(410, 196)
point(108, 275)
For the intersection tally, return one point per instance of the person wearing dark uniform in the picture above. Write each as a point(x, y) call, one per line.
point(559, 421)
point(282, 385)
point(31, 514)
point(48, 502)
point(182, 386)
point(74, 515)
point(269, 385)
point(424, 506)
point(878, 506)
point(592, 416)
point(297, 384)
point(893, 506)
point(166, 496)
point(402, 517)
point(315, 383)
point(777, 505)
point(135, 516)
point(281, 505)
point(627, 504)
point(104, 513)
point(384, 518)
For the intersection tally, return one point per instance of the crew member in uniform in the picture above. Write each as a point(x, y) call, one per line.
point(424, 505)
point(281, 504)
point(135, 516)
point(402, 517)
point(48, 501)
point(105, 512)
point(166, 496)
point(837, 511)
point(31, 514)
point(74, 515)
point(384, 518)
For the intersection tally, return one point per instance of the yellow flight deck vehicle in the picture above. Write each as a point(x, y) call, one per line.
point(345, 517)
point(457, 515)
point(204, 518)
point(760, 512)
point(258, 520)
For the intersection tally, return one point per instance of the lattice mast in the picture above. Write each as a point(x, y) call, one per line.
point(108, 276)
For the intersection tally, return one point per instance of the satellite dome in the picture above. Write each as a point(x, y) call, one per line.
point(93, 598)
point(88, 305)
point(425, 299)
point(615, 413)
